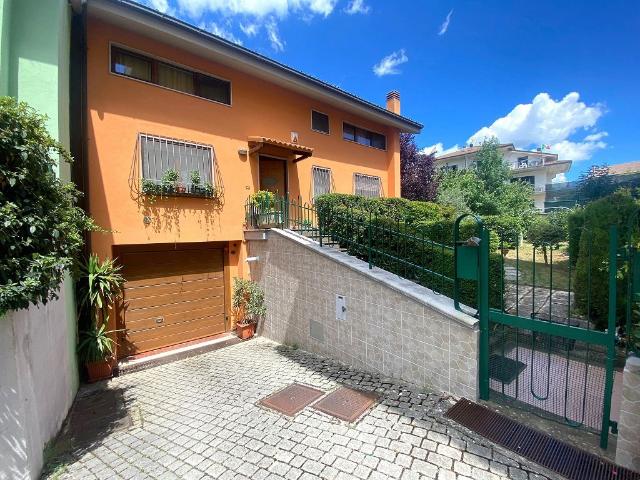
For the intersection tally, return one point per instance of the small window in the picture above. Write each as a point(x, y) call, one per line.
point(319, 122)
point(175, 78)
point(367, 185)
point(349, 132)
point(364, 137)
point(321, 181)
point(130, 65)
point(160, 73)
point(523, 162)
point(160, 154)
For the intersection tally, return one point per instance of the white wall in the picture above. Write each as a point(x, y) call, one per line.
point(38, 381)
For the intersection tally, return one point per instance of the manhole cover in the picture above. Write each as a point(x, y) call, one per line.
point(290, 400)
point(346, 403)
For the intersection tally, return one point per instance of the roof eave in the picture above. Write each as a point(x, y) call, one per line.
point(129, 13)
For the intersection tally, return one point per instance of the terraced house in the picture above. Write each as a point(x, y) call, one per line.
point(182, 126)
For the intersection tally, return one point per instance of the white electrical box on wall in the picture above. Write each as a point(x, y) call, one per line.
point(341, 307)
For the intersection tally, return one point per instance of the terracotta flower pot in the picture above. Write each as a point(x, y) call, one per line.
point(100, 370)
point(181, 189)
point(245, 331)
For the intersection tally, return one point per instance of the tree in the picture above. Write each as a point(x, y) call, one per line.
point(596, 183)
point(547, 232)
point(41, 228)
point(486, 190)
point(418, 177)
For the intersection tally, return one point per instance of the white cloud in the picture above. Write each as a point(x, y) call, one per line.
point(249, 29)
point(542, 121)
point(274, 37)
point(256, 8)
point(357, 6)
point(439, 149)
point(221, 31)
point(546, 121)
point(594, 137)
point(389, 64)
point(160, 5)
point(576, 151)
point(559, 178)
point(445, 25)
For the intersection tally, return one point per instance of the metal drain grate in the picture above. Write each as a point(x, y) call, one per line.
point(571, 462)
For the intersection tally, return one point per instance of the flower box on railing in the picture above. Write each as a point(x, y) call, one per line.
point(269, 219)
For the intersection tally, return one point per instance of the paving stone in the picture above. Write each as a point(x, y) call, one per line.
point(201, 420)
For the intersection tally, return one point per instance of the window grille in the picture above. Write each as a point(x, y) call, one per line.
point(321, 181)
point(160, 154)
point(367, 185)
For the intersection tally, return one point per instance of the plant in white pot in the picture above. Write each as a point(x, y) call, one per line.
point(247, 305)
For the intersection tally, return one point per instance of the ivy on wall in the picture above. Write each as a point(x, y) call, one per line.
point(41, 227)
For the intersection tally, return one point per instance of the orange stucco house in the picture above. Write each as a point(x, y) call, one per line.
point(161, 95)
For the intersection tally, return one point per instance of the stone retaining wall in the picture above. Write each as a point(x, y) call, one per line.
point(390, 325)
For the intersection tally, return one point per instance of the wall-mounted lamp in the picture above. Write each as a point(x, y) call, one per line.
point(252, 259)
point(242, 151)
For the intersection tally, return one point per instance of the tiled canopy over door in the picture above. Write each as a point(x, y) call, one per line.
point(170, 297)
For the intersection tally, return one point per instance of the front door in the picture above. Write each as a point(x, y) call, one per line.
point(273, 175)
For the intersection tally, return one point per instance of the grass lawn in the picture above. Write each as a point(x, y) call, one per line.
point(558, 268)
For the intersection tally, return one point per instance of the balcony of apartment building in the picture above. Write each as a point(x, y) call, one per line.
point(526, 162)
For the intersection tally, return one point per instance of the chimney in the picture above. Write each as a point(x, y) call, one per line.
point(393, 101)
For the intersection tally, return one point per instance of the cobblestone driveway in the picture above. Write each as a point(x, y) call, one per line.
point(198, 418)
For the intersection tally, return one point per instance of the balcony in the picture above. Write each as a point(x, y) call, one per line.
point(539, 188)
point(523, 164)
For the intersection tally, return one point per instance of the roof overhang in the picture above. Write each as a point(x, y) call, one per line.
point(271, 146)
point(166, 29)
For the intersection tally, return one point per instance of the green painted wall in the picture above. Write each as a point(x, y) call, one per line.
point(34, 66)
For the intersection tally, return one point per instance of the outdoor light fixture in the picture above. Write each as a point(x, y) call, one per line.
point(252, 259)
point(242, 151)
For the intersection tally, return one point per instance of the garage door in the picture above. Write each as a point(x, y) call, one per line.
point(171, 297)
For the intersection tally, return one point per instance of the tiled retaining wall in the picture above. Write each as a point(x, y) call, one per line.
point(392, 325)
point(628, 447)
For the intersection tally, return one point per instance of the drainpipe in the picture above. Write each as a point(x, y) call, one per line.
point(78, 105)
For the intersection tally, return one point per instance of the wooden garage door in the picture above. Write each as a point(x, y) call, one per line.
point(171, 297)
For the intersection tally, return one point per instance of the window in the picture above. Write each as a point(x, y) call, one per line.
point(160, 73)
point(321, 181)
point(319, 122)
point(367, 185)
point(160, 154)
point(449, 168)
point(363, 137)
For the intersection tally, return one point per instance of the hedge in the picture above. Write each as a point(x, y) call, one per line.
point(575, 222)
point(592, 268)
point(401, 246)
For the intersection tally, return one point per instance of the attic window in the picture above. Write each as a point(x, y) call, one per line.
point(319, 122)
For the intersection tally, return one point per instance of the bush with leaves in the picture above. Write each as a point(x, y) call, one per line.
point(41, 227)
point(592, 268)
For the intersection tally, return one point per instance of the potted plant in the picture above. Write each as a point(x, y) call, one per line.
point(195, 181)
point(100, 286)
point(170, 180)
point(151, 187)
point(247, 305)
point(210, 191)
point(265, 207)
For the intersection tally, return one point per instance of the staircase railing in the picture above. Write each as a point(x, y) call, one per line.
point(393, 244)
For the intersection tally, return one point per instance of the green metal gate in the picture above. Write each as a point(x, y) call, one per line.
point(538, 351)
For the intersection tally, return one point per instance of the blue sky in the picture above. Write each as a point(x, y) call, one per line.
point(563, 74)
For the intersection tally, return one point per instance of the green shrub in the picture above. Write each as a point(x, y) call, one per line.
point(402, 248)
point(575, 222)
point(592, 268)
point(41, 228)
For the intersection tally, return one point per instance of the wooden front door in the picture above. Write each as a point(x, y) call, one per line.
point(273, 175)
point(171, 297)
